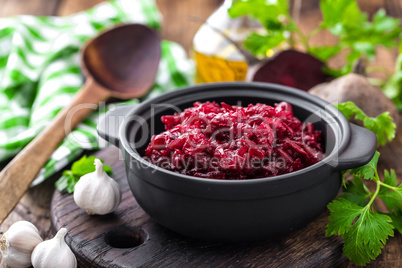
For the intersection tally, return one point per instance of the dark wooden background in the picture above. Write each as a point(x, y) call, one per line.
point(177, 27)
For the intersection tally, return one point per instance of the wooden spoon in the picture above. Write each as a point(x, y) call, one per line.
point(121, 63)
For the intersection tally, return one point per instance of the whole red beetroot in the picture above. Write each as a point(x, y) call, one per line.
point(291, 68)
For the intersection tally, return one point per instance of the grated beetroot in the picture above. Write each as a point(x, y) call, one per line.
point(232, 142)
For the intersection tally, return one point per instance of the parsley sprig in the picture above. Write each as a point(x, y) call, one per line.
point(353, 215)
point(382, 125)
point(79, 168)
point(278, 24)
point(357, 35)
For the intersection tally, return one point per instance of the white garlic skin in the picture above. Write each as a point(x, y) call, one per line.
point(96, 192)
point(54, 253)
point(17, 244)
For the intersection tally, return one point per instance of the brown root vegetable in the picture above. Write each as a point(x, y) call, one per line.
point(356, 88)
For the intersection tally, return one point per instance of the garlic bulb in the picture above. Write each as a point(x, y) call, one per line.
point(17, 244)
point(96, 192)
point(54, 253)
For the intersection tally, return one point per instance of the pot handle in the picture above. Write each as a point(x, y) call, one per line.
point(109, 125)
point(360, 150)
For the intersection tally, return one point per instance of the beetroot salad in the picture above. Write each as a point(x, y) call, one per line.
point(232, 142)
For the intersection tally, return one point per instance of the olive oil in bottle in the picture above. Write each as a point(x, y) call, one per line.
point(217, 59)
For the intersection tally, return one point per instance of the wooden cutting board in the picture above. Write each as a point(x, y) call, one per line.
point(130, 238)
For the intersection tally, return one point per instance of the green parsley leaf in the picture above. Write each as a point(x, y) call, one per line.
point(382, 22)
point(389, 179)
point(260, 44)
point(396, 221)
point(356, 192)
point(382, 125)
point(107, 169)
point(337, 13)
point(79, 168)
point(257, 9)
point(324, 53)
point(367, 236)
point(364, 232)
point(348, 109)
point(338, 72)
point(71, 180)
point(343, 213)
point(368, 171)
point(356, 33)
point(390, 193)
point(277, 23)
point(393, 200)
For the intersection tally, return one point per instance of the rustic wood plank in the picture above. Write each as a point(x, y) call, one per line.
point(31, 7)
point(89, 238)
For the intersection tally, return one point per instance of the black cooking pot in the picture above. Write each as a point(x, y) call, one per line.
point(241, 210)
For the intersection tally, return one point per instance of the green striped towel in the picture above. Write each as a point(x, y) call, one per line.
point(39, 74)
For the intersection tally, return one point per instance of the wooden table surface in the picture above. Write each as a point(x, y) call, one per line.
point(35, 205)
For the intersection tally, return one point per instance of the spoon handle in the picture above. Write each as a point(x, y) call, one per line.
point(18, 175)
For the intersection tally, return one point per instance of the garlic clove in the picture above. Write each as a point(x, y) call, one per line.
point(96, 192)
point(17, 244)
point(54, 253)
